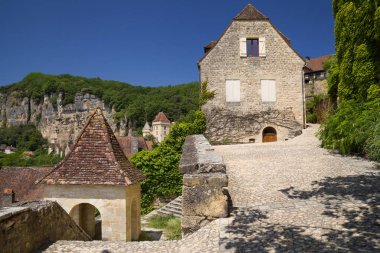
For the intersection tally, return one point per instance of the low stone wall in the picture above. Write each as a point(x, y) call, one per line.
point(30, 226)
point(204, 195)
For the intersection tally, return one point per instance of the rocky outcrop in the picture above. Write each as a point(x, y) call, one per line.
point(59, 123)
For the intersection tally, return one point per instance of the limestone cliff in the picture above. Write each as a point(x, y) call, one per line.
point(60, 124)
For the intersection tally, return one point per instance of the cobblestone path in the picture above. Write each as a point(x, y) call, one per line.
point(288, 197)
point(296, 197)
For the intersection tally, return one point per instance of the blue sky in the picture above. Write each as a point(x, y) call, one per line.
point(150, 43)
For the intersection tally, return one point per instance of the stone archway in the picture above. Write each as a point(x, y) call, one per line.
point(88, 218)
point(269, 134)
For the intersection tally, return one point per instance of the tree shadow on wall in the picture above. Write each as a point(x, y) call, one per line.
point(354, 198)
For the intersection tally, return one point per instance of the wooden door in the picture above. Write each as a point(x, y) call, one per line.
point(269, 137)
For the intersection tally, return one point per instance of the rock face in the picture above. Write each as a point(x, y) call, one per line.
point(204, 194)
point(60, 124)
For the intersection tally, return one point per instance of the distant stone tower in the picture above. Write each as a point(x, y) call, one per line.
point(160, 126)
point(96, 179)
point(146, 130)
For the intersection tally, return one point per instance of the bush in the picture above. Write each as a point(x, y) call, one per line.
point(160, 165)
point(354, 128)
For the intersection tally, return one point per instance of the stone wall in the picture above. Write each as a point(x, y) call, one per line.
point(27, 227)
point(60, 124)
point(119, 206)
point(281, 64)
point(204, 194)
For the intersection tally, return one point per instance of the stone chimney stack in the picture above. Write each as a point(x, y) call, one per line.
point(8, 197)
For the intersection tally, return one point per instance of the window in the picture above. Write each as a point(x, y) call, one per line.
point(268, 90)
point(232, 90)
point(252, 47)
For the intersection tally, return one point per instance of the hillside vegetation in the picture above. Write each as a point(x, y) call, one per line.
point(135, 103)
point(354, 77)
point(25, 139)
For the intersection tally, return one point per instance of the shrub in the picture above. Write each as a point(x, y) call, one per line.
point(160, 165)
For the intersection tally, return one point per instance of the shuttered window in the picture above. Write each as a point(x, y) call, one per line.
point(268, 90)
point(252, 47)
point(232, 90)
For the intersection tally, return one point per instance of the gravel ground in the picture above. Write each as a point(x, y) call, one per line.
point(288, 196)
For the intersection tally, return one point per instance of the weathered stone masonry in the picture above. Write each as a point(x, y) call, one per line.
point(26, 228)
point(204, 193)
point(244, 121)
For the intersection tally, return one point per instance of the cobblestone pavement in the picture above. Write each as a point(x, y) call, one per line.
point(288, 197)
point(296, 197)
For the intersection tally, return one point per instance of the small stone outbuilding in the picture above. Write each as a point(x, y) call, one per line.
point(257, 78)
point(96, 180)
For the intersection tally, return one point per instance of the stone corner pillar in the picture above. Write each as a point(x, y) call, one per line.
point(204, 193)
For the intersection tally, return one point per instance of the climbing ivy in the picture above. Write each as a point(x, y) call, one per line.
point(353, 127)
point(160, 165)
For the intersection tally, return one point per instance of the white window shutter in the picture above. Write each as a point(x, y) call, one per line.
point(243, 47)
point(262, 49)
point(268, 90)
point(232, 90)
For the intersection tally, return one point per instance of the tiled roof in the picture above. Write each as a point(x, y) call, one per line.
point(250, 13)
point(96, 158)
point(125, 144)
point(161, 117)
point(22, 182)
point(146, 126)
point(316, 64)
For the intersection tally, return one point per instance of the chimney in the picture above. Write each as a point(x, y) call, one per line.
point(8, 197)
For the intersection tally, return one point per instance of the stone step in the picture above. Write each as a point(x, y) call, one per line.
point(172, 208)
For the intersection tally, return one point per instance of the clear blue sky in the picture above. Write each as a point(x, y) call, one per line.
point(148, 42)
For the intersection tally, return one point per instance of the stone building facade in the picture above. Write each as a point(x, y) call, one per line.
point(160, 127)
point(258, 82)
point(96, 177)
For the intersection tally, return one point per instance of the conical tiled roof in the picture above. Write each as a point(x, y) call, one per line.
point(96, 158)
point(161, 117)
point(146, 126)
point(250, 13)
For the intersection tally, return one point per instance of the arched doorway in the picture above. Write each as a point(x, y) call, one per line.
point(89, 219)
point(134, 221)
point(269, 134)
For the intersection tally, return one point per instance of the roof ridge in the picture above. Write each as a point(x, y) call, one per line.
point(250, 13)
point(73, 147)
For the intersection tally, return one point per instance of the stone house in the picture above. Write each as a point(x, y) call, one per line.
point(133, 144)
point(258, 82)
point(160, 127)
point(315, 76)
point(96, 177)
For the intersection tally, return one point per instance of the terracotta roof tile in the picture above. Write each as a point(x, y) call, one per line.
point(96, 158)
point(316, 64)
point(125, 144)
point(250, 13)
point(161, 117)
point(22, 182)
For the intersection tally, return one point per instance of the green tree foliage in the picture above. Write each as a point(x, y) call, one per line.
point(25, 138)
point(134, 103)
point(160, 165)
point(354, 127)
point(22, 137)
